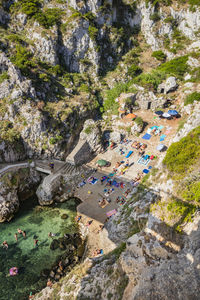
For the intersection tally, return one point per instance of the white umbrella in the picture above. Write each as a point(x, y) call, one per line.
point(160, 147)
point(166, 115)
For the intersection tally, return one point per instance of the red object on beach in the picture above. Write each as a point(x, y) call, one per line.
point(152, 157)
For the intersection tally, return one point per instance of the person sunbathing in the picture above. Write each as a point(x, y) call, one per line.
point(117, 165)
point(126, 193)
point(141, 152)
point(117, 199)
point(143, 146)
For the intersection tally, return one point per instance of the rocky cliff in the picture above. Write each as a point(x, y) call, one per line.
point(64, 62)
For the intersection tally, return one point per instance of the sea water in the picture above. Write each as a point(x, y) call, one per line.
point(37, 221)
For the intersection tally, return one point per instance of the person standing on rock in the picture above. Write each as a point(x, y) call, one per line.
point(51, 166)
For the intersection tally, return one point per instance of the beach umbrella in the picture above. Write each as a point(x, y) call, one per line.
point(102, 162)
point(160, 147)
point(166, 115)
point(159, 112)
point(172, 112)
point(130, 116)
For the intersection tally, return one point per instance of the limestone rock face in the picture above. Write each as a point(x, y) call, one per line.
point(17, 84)
point(192, 122)
point(91, 133)
point(170, 85)
point(48, 189)
point(45, 45)
point(13, 187)
point(8, 153)
point(9, 203)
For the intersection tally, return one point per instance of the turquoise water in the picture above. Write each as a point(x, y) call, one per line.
point(37, 221)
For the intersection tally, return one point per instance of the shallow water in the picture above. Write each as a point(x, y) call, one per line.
point(37, 221)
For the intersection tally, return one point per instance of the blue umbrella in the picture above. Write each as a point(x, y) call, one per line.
point(173, 112)
point(159, 112)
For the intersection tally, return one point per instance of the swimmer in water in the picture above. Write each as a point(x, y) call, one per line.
point(24, 233)
point(16, 237)
point(36, 242)
point(5, 244)
point(19, 231)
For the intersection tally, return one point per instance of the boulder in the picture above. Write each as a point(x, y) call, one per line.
point(115, 136)
point(54, 244)
point(170, 85)
point(135, 129)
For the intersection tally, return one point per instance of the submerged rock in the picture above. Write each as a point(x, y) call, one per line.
point(54, 244)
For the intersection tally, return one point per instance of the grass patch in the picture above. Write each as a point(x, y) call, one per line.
point(159, 55)
point(4, 76)
point(191, 98)
point(183, 154)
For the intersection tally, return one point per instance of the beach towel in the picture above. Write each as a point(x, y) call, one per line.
point(168, 131)
point(145, 171)
point(162, 137)
point(104, 178)
point(129, 154)
point(122, 185)
point(81, 183)
point(111, 213)
point(142, 161)
point(111, 174)
point(146, 136)
point(109, 192)
point(106, 203)
point(161, 127)
point(94, 181)
point(115, 183)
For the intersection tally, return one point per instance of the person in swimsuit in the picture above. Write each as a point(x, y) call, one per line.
point(16, 238)
point(5, 245)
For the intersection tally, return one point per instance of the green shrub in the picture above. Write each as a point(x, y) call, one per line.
point(14, 38)
point(29, 7)
point(177, 66)
point(134, 70)
point(4, 76)
point(150, 80)
point(182, 210)
point(195, 74)
point(191, 98)
point(112, 94)
point(192, 192)
point(159, 55)
point(89, 16)
point(49, 17)
point(8, 133)
point(169, 20)
point(155, 17)
point(183, 154)
point(93, 32)
point(32, 8)
point(139, 121)
point(22, 59)
point(194, 3)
